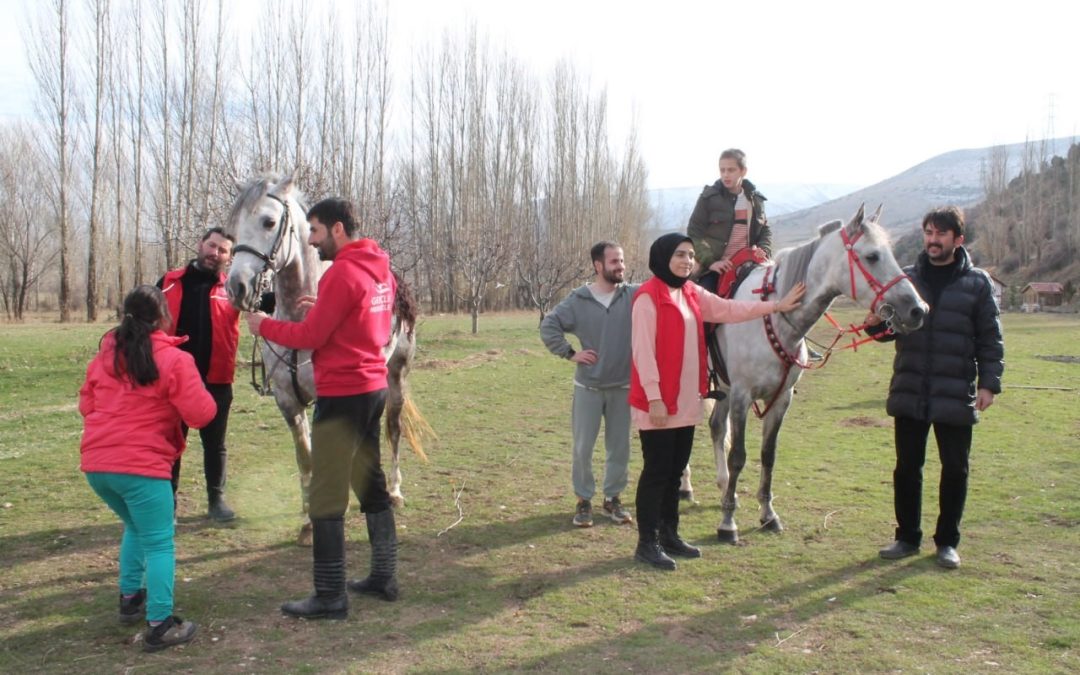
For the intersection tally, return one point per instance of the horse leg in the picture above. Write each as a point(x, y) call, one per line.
point(301, 432)
point(686, 489)
point(395, 401)
point(770, 522)
point(735, 435)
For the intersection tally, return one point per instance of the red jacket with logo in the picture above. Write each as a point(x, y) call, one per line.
point(134, 429)
point(669, 345)
point(224, 324)
point(349, 323)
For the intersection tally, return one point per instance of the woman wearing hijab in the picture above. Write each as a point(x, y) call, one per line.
point(668, 381)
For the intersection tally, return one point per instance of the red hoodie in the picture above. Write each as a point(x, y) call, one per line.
point(135, 429)
point(349, 324)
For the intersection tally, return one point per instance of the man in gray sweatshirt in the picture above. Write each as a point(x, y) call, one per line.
point(598, 314)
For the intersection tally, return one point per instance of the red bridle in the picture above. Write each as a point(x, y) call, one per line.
point(855, 262)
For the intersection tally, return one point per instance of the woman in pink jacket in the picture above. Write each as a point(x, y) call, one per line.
point(667, 382)
point(138, 390)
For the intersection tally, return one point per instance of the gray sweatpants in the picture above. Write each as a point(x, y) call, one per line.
point(589, 406)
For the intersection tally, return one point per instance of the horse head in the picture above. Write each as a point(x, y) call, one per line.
point(874, 279)
point(268, 223)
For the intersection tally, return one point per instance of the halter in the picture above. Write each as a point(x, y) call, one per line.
point(887, 310)
point(263, 282)
point(264, 278)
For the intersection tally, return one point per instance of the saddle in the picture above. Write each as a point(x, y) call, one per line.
point(742, 264)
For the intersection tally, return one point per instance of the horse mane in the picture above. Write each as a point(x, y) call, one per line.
point(405, 305)
point(252, 192)
point(795, 261)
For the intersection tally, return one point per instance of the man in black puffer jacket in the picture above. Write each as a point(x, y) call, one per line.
point(943, 375)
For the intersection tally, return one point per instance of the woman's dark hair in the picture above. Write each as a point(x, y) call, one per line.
point(145, 311)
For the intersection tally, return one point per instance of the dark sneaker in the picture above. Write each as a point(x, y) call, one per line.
point(583, 517)
point(131, 609)
point(613, 509)
point(171, 631)
point(898, 549)
point(947, 557)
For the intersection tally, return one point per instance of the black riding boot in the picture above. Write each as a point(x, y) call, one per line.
point(673, 544)
point(215, 489)
point(649, 551)
point(382, 581)
point(328, 548)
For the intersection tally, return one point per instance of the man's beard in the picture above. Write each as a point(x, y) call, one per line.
point(611, 278)
point(939, 254)
point(206, 265)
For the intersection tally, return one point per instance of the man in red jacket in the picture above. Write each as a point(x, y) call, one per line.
point(202, 312)
point(346, 329)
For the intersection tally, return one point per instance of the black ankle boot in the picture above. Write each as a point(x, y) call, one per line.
point(649, 551)
point(382, 582)
point(219, 510)
point(673, 544)
point(328, 549)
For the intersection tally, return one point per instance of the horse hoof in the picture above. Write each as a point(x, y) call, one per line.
point(303, 537)
point(772, 525)
point(687, 496)
point(397, 501)
point(727, 536)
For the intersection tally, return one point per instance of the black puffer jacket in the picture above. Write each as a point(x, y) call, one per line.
point(959, 349)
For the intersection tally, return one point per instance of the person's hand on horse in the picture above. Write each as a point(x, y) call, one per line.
point(658, 413)
point(305, 303)
point(791, 300)
point(721, 266)
point(587, 356)
point(253, 321)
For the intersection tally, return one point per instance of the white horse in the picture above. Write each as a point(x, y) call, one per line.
point(855, 260)
point(268, 220)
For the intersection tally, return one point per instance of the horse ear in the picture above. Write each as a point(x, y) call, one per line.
point(856, 223)
point(237, 183)
point(286, 183)
point(877, 214)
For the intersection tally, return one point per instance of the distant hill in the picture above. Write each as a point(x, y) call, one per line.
point(952, 178)
point(672, 206)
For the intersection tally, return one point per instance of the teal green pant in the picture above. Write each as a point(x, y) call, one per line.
point(145, 505)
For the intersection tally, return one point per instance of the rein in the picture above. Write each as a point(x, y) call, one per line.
point(787, 358)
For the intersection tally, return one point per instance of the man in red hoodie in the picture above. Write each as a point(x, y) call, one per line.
point(346, 329)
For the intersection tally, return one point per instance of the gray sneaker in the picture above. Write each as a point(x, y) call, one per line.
point(613, 508)
point(583, 517)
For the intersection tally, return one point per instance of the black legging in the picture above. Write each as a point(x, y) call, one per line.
point(666, 453)
point(213, 441)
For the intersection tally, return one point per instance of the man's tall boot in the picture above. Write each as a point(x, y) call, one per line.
point(382, 582)
point(673, 544)
point(649, 551)
point(215, 492)
point(328, 549)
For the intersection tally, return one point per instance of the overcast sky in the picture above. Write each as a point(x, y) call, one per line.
point(834, 91)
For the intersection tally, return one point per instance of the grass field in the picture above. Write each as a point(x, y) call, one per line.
point(513, 586)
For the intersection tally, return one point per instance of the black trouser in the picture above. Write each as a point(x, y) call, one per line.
point(345, 452)
point(666, 453)
point(954, 447)
point(213, 441)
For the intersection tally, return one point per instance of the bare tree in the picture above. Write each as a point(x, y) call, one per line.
point(51, 66)
point(27, 249)
point(100, 13)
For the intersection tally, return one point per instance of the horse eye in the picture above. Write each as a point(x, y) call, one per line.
point(269, 223)
point(873, 258)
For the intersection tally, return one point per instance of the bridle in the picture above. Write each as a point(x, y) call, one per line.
point(885, 311)
point(789, 358)
point(265, 277)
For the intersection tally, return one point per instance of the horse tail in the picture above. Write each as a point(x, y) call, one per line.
point(415, 428)
point(405, 306)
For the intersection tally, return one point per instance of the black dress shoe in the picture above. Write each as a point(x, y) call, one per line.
point(898, 549)
point(947, 557)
